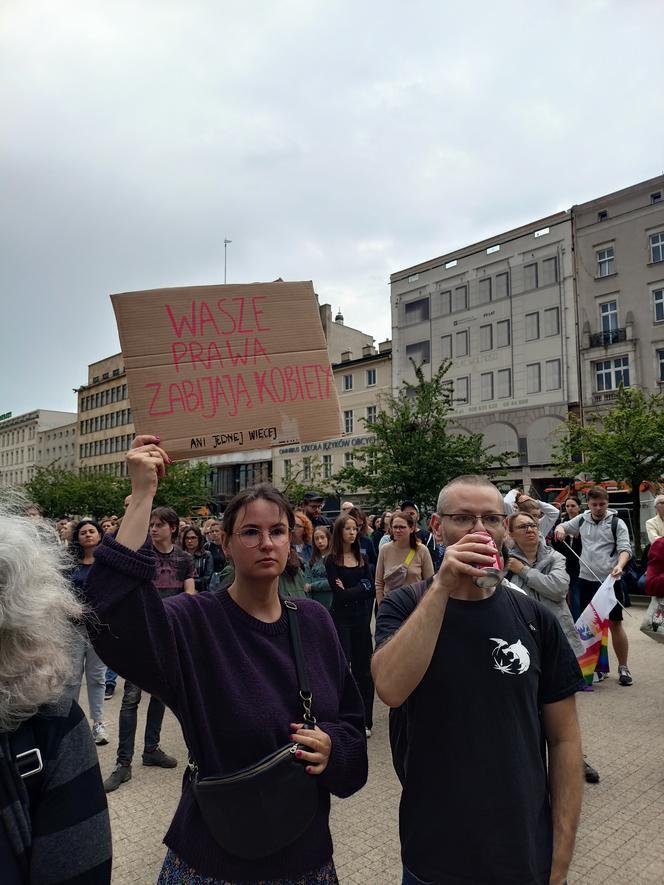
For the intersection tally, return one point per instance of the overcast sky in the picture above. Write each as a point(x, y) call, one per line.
point(333, 141)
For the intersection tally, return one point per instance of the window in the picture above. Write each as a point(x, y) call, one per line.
point(608, 314)
point(602, 215)
point(116, 372)
point(417, 311)
point(288, 469)
point(660, 363)
point(462, 389)
point(306, 464)
point(658, 299)
point(542, 232)
point(461, 343)
point(371, 377)
point(605, 262)
point(446, 347)
point(610, 374)
point(95, 379)
point(504, 382)
point(348, 421)
point(550, 271)
point(413, 277)
point(503, 337)
point(502, 285)
point(372, 412)
point(486, 337)
point(492, 249)
point(452, 263)
point(657, 247)
point(327, 466)
point(552, 374)
point(551, 321)
point(348, 382)
point(530, 276)
point(486, 386)
point(533, 378)
point(484, 290)
point(446, 302)
point(461, 298)
point(348, 459)
point(419, 353)
point(532, 326)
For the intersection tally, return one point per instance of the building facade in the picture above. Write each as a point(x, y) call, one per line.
point(619, 266)
point(39, 438)
point(362, 381)
point(105, 426)
point(503, 312)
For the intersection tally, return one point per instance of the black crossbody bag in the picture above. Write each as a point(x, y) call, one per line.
point(259, 810)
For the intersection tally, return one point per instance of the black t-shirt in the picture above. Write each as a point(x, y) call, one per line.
point(475, 805)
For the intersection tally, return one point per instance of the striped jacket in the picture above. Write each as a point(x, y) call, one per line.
point(71, 833)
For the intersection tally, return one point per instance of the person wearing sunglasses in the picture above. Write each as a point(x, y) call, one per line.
point(225, 663)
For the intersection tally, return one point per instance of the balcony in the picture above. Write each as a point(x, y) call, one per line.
point(603, 339)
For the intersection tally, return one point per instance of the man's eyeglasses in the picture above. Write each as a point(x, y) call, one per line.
point(279, 535)
point(468, 520)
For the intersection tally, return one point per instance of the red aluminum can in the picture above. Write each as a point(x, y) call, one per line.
point(494, 572)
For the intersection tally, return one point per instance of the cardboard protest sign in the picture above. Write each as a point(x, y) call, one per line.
point(215, 369)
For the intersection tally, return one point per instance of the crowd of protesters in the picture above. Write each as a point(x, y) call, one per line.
point(375, 595)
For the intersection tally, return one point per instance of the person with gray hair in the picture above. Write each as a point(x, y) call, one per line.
point(655, 526)
point(55, 824)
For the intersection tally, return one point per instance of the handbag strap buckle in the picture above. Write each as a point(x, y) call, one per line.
point(29, 763)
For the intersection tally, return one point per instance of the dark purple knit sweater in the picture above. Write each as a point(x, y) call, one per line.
point(231, 681)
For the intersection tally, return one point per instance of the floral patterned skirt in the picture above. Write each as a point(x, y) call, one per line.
point(175, 871)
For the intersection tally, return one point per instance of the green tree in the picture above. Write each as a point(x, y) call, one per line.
point(59, 491)
point(624, 444)
point(185, 487)
point(418, 446)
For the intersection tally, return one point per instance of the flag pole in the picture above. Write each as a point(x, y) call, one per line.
point(583, 562)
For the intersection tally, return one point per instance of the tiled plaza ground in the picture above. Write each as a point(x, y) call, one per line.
point(619, 841)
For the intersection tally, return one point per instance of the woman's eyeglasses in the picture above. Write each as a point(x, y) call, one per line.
point(280, 534)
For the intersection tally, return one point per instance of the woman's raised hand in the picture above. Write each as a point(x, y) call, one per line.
point(146, 465)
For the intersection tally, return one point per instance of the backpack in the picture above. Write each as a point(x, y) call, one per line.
point(525, 608)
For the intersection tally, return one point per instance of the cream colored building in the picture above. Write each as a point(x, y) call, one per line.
point(39, 438)
point(105, 426)
point(619, 263)
point(362, 381)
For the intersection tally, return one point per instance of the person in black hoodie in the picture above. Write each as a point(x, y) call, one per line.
point(571, 549)
point(349, 577)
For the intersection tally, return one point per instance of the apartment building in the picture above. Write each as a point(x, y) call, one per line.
point(39, 438)
point(619, 266)
point(362, 381)
point(105, 426)
point(503, 311)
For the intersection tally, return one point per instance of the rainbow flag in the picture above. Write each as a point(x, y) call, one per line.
point(593, 630)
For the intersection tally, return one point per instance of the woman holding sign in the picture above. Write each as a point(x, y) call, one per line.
point(271, 715)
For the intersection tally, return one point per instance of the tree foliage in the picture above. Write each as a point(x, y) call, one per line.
point(625, 444)
point(418, 447)
point(60, 492)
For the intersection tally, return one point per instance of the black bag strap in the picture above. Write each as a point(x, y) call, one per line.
point(300, 663)
point(614, 532)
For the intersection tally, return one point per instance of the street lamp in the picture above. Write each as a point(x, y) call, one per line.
point(226, 242)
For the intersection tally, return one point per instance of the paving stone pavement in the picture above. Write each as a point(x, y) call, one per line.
point(619, 840)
